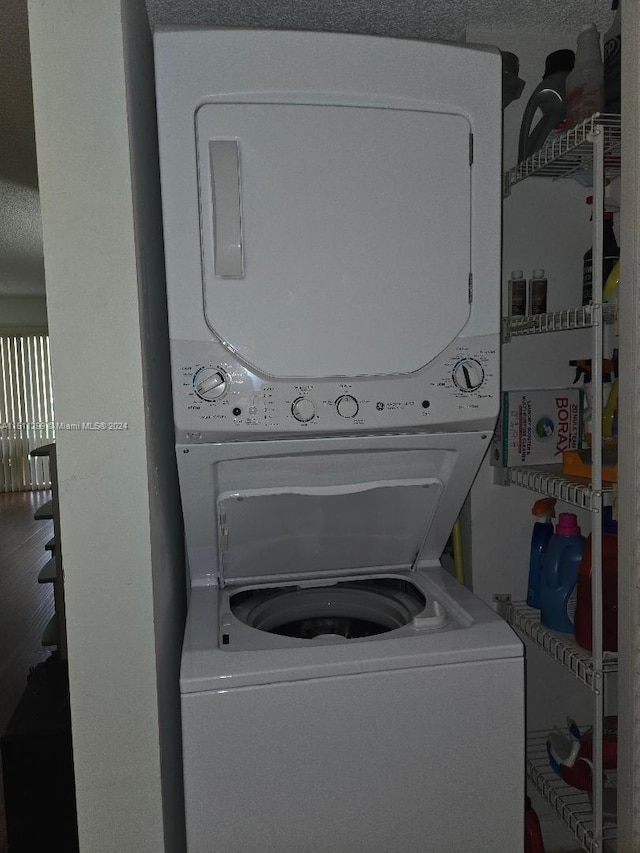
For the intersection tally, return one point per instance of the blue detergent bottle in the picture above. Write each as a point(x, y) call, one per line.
point(560, 574)
point(544, 511)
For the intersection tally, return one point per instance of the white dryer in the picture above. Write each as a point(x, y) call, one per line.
point(331, 208)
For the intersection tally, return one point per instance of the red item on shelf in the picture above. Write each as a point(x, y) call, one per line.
point(583, 615)
point(533, 842)
point(580, 775)
point(609, 744)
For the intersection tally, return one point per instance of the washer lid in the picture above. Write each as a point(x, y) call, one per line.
point(296, 532)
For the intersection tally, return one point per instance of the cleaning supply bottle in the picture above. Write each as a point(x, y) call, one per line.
point(547, 99)
point(612, 65)
point(613, 400)
point(610, 252)
point(517, 294)
point(583, 615)
point(583, 371)
point(585, 84)
point(612, 284)
point(610, 414)
point(544, 511)
point(538, 293)
point(512, 85)
point(533, 842)
point(560, 574)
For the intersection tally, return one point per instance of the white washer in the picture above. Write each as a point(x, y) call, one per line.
point(397, 743)
point(331, 208)
point(340, 691)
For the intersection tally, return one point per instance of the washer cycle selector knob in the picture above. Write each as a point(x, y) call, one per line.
point(347, 406)
point(303, 409)
point(468, 374)
point(210, 383)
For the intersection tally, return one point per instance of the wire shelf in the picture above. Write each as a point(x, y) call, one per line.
point(572, 805)
point(549, 480)
point(557, 321)
point(561, 647)
point(571, 155)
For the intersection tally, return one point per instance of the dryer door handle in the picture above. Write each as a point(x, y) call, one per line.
point(224, 157)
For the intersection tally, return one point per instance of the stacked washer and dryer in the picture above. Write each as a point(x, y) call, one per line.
point(332, 228)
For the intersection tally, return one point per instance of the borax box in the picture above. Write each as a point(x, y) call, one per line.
point(535, 427)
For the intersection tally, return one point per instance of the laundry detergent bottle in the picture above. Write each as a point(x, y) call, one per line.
point(583, 615)
point(560, 574)
point(544, 511)
point(547, 102)
point(585, 84)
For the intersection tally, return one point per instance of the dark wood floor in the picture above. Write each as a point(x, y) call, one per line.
point(25, 605)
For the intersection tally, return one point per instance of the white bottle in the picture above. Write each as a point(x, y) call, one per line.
point(538, 293)
point(585, 84)
point(517, 285)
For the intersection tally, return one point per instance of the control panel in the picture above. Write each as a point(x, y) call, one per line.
point(219, 399)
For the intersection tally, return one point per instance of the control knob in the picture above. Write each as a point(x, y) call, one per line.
point(468, 374)
point(210, 383)
point(303, 409)
point(347, 406)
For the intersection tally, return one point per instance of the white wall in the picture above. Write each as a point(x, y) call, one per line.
point(167, 560)
point(118, 501)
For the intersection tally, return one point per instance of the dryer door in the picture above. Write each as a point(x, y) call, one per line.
point(335, 239)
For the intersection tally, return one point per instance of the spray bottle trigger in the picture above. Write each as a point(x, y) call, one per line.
point(545, 507)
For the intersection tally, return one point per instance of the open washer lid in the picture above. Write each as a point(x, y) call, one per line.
point(296, 532)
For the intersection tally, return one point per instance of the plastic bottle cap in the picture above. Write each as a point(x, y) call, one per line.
point(559, 60)
point(588, 28)
point(588, 47)
point(538, 273)
point(544, 507)
point(567, 524)
point(516, 274)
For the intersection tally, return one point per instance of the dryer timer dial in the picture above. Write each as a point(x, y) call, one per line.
point(468, 374)
point(210, 383)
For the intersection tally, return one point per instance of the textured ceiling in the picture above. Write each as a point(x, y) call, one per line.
point(21, 261)
point(17, 138)
point(21, 265)
point(424, 19)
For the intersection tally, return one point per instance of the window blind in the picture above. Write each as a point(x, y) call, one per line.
point(26, 411)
